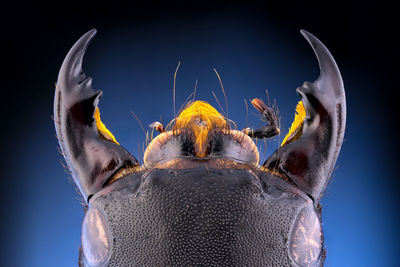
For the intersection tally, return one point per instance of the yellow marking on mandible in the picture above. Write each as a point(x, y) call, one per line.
point(200, 117)
point(102, 129)
point(297, 124)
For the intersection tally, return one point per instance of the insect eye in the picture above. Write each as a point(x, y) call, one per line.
point(306, 239)
point(97, 240)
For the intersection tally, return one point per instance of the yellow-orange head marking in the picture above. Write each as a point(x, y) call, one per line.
point(200, 118)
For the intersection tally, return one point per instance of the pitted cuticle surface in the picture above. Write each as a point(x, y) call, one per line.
point(193, 218)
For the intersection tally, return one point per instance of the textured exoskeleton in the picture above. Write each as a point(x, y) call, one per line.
point(202, 198)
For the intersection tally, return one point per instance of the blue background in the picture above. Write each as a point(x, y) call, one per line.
point(133, 60)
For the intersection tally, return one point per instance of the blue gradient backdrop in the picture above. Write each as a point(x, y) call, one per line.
point(134, 67)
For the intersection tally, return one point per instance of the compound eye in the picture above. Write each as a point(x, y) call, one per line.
point(96, 238)
point(306, 239)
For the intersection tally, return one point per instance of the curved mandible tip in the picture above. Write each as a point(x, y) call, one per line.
point(329, 72)
point(91, 158)
point(309, 159)
point(71, 72)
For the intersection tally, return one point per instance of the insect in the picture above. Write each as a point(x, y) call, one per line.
point(201, 196)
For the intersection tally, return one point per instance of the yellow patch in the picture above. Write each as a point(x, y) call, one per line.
point(297, 124)
point(200, 117)
point(101, 128)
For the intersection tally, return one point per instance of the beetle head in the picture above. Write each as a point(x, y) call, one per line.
point(201, 197)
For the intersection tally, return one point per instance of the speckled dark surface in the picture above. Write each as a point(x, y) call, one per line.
point(200, 218)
